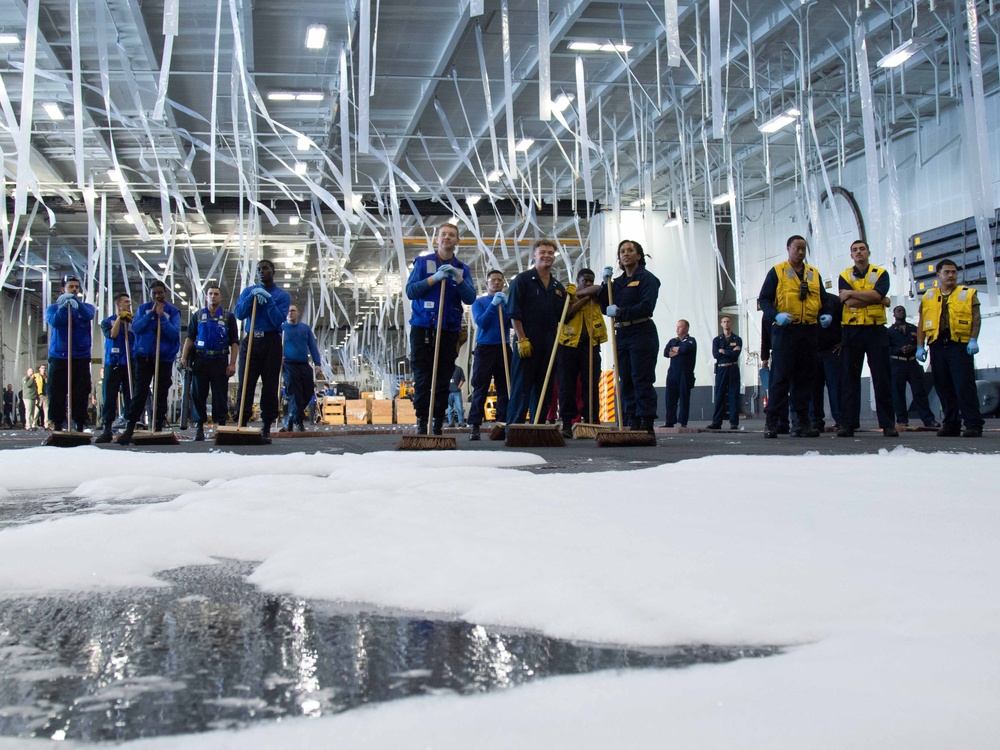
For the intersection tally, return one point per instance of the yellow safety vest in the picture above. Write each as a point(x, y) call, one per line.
point(873, 314)
point(590, 316)
point(786, 299)
point(961, 302)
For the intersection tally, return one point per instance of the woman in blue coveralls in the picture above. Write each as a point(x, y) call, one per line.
point(635, 293)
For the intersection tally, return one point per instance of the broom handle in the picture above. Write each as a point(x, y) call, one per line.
point(69, 366)
point(128, 367)
point(552, 360)
point(590, 377)
point(503, 346)
point(156, 371)
point(281, 373)
point(246, 365)
point(437, 349)
point(614, 353)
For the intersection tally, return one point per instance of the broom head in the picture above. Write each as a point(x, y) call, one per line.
point(65, 439)
point(427, 443)
point(534, 436)
point(148, 437)
point(625, 439)
point(226, 435)
point(586, 431)
point(499, 431)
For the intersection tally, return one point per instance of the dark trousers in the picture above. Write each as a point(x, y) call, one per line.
point(908, 371)
point(115, 382)
point(793, 368)
point(638, 346)
point(828, 368)
point(57, 392)
point(526, 380)
point(678, 399)
point(487, 366)
point(265, 364)
point(954, 371)
point(871, 342)
point(727, 394)
point(210, 372)
point(574, 363)
point(422, 363)
point(145, 371)
point(299, 385)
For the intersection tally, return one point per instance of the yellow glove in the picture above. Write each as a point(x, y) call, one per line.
point(125, 315)
point(571, 290)
point(523, 348)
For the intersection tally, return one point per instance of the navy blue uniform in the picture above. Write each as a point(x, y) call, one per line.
point(726, 352)
point(300, 344)
point(828, 367)
point(489, 362)
point(906, 369)
point(424, 299)
point(146, 356)
point(636, 343)
point(539, 309)
point(265, 354)
point(57, 317)
point(213, 336)
point(116, 366)
point(680, 379)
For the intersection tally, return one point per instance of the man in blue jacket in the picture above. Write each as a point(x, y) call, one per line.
point(265, 354)
point(300, 344)
point(210, 350)
point(116, 365)
point(69, 306)
point(682, 352)
point(441, 267)
point(726, 349)
point(489, 360)
point(152, 316)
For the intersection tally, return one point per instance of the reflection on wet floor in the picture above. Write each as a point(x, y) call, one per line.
point(211, 652)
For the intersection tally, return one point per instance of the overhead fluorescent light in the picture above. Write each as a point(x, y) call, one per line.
point(580, 46)
point(162, 265)
point(778, 122)
point(183, 294)
point(54, 111)
point(9, 39)
point(903, 52)
point(316, 36)
point(293, 220)
point(473, 199)
point(493, 176)
point(674, 222)
point(616, 47)
point(301, 168)
point(114, 175)
point(636, 203)
point(302, 144)
point(524, 144)
point(128, 219)
point(280, 96)
point(288, 276)
point(562, 102)
point(721, 200)
point(309, 96)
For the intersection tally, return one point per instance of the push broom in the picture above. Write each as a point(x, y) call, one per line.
point(430, 442)
point(499, 431)
point(538, 435)
point(70, 438)
point(620, 437)
point(240, 435)
point(588, 430)
point(153, 436)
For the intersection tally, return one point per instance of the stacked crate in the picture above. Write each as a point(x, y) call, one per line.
point(404, 411)
point(333, 409)
point(356, 411)
point(381, 410)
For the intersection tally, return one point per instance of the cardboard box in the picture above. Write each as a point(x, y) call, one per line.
point(405, 413)
point(356, 411)
point(381, 411)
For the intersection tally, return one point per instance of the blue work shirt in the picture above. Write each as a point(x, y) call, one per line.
point(114, 348)
point(424, 298)
point(635, 296)
point(682, 364)
point(144, 327)
point(83, 320)
point(300, 343)
point(270, 317)
point(731, 348)
point(900, 336)
point(537, 307)
point(488, 321)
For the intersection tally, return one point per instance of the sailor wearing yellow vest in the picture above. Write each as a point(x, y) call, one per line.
point(949, 327)
point(579, 353)
point(863, 290)
point(792, 300)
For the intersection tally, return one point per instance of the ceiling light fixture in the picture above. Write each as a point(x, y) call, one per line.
point(309, 96)
point(562, 102)
point(674, 222)
point(493, 176)
point(301, 168)
point(316, 36)
point(903, 52)
point(721, 200)
point(9, 39)
point(288, 276)
point(473, 199)
point(114, 175)
point(280, 96)
point(128, 219)
point(292, 221)
point(524, 144)
point(302, 144)
point(778, 122)
point(636, 203)
point(54, 111)
point(598, 47)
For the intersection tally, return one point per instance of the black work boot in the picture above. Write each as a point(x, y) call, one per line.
point(770, 427)
point(474, 434)
point(199, 435)
point(126, 437)
point(104, 437)
point(437, 427)
point(265, 433)
point(421, 426)
point(648, 425)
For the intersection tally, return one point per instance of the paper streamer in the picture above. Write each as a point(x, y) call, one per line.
point(544, 63)
point(490, 118)
point(868, 126)
point(171, 12)
point(25, 175)
point(581, 102)
point(718, 112)
point(364, 87)
point(345, 137)
point(672, 28)
point(508, 91)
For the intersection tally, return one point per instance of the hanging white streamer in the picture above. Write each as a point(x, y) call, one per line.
point(489, 98)
point(508, 91)
point(581, 100)
point(25, 175)
point(672, 28)
point(868, 123)
point(718, 111)
point(171, 21)
point(345, 137)
point(544, 63)
point(212, 156)
point(364, 59)
point(74, 27)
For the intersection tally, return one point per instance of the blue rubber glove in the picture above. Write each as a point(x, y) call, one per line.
point(973, 347)
point(608, 272)
point(455, 273)
point(442, 273)
point(921, 354)
point(262, 295)
point(825, 320)
point(499, 299)
point(76, 305)
point(612, 310)
point(783, 319)
point(64, 299)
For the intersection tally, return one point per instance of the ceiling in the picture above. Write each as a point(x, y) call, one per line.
point(207, 160)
